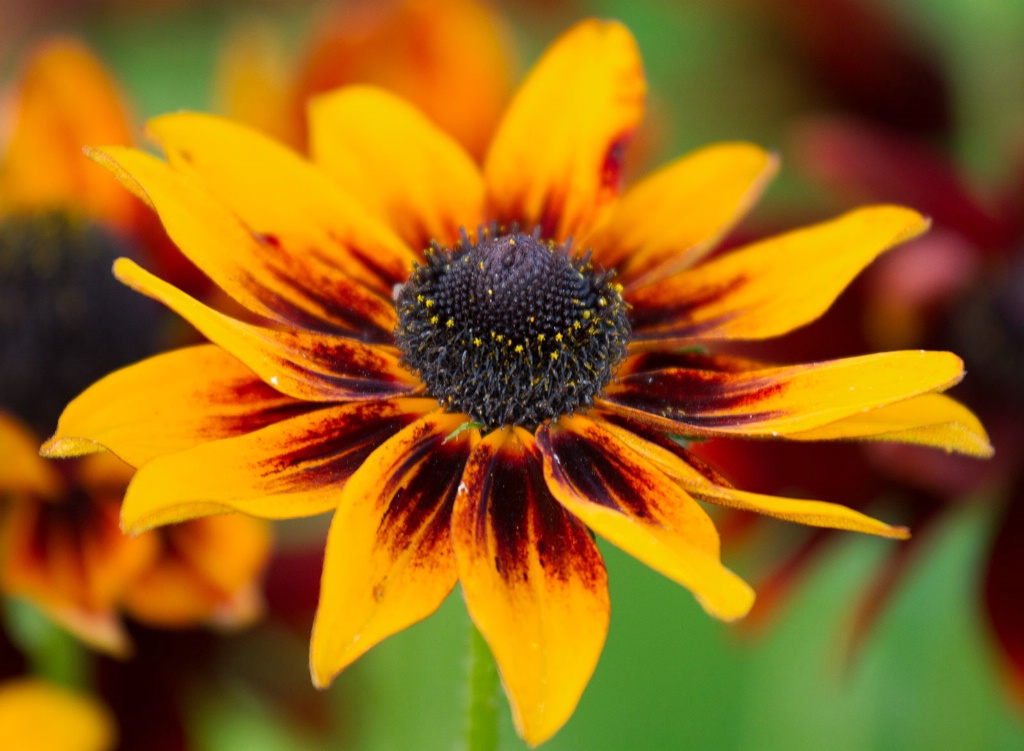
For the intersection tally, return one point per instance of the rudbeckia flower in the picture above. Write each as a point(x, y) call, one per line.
point(477, 367)
point(62, 324)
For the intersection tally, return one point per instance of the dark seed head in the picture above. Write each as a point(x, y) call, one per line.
point(511, 329)
point(64, 319)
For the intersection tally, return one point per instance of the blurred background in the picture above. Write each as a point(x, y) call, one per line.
point(856, 643)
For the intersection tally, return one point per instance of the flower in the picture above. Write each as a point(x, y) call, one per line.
point(63, 324)
point(38, 714)
point(473, 410)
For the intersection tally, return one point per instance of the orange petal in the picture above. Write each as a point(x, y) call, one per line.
point(673, 218)
point(74, 564)
point(292, 468)
point(534, 582)
point(778, 401)
point(633, 505)
point(261, 275)
point(299, 363)
point(692, 475)
point(252, 79)
point(203, 566)
point(389, 559)
point(41, 715)
point(168, 403)
point(556, 158)
point(383, 151)
point(65, 101)
point(451, 59)
point(771, 287)
point(21, 469)
point(279, 194)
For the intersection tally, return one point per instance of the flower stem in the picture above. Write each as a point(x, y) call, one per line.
point(482, 709)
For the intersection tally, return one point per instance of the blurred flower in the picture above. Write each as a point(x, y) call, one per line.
point(450, 58)
point(959, 287)
point(41, 715)
point(472, 409)
point(62, 325)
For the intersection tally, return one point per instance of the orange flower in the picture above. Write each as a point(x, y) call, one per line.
point(451, 58)
point(60, 228)
point(470, 393)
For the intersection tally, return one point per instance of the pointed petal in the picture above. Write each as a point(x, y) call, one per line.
point(299, 363)
point(37, 714)
point(534, 582)
point(21, 469)
point(66, 100)
point(203, 565)
point(261, 276)
point(692, 475)
point(633, 505)
point(296, 467)
point(556, 158)
point(404, 168)
point(279, 194)
point(932, 420)
point(673, 218)
point(779, 401)
point(168, 403)
point(771, 287)
point(389, 559)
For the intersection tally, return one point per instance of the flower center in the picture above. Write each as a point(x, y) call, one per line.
point(64, 320)
point(511, 330)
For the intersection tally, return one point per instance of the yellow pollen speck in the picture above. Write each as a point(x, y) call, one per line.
point(450, 322)
point(429, 303)
point(519, 348)
point(434, 319)
point(602, 302)
point(477, 341)
point(419, 298)
point(540, 337)
point(558, 336)
point(586, 315)
point(499, 337)
point(511, 241)
point(490, 292)
point(481, 265)
point(576, 324)
point(554, 355)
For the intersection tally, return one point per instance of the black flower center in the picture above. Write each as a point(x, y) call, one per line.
point(64, 320)
point(511, 329)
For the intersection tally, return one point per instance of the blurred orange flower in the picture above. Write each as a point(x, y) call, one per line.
point(35, 714)
point(60, 542)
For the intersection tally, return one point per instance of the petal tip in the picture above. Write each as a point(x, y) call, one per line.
point(59, 447)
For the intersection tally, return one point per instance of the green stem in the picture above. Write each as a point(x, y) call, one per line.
point(482, 709)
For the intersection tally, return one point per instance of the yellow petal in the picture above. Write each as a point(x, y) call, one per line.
point(384, 152)
point(685, 470)
point(778, 401)
point(534, 582)
point(41, 715)
point(633, 505)
point(279, 194)
point(300, 363)
point(168, 403)
point(673, 218)
point(771, 287)
point(296, 467)
point(930, 420)
point(389, 559)
point(65, 101)
point(259, 274)
point(556, 158)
